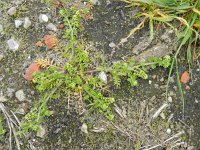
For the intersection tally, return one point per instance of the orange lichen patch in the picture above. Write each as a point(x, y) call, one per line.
point(39, 44)
point(185, 77)
point(50, 41)
point(34, 67)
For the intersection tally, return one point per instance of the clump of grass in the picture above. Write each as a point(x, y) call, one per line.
point(186, 12)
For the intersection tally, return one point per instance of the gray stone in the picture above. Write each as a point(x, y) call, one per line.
point(103, 76)
point(52, 27)
point(43, 18)
point(18, 23)
point(13, 45)
point(112, 45)
point(20, 95)
point(27, 23)
point(12, 11)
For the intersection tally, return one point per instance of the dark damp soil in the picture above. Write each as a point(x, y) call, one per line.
point(133, 127)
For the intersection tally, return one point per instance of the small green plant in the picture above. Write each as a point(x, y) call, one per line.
point(78, 78)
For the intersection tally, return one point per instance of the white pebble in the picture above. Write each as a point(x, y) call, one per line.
point(20, 95)
point(13, 45)
point(84, 128)
point(12, 11)
point(170, 99)
point(150, 81)
point(103, 76)
point(112, 45)
point(18, 23)
point(43, 18)
point(169, 131)
point(52, 27)
point(27, 23)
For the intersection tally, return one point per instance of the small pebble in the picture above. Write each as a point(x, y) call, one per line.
point(112, 45)
point(52, 27)
point(169, 99)
point(84, 128)
point(150, 81)
point(18, 23)
point(169, 131)
point(12, 11)
point(187, 87)
point(96, 2)
point(27, 23)
point(103, 76)
point(20, 95)
point(43, 18)
point(13, 45)
point(162, 79)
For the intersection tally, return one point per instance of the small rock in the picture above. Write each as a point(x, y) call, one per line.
point(162, 115)
point(112, 45)
point(18, 23)
point(41, 132)
point(1, 57)
point(12, 11)
point(3, 99)
point(27, 23)
point(150, 81)
point(20, 95)
point(169, 131)
point(13, 45)
point(52, 27)
point(103, 76)
point(169, 99)
point(43, 18)
point(84, 128)
point(162, 79)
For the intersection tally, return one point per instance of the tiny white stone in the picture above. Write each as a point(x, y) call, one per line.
point(43, 18)
point(170, 99)
point(27, 23)
point(112, 45)
point(84, 128)
point(18, 23)
point(12, 11)
point(13, 45)
point(20, 95)
point(169, 131)
point(103, 76)
point(52, 27)
point(150, 81)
